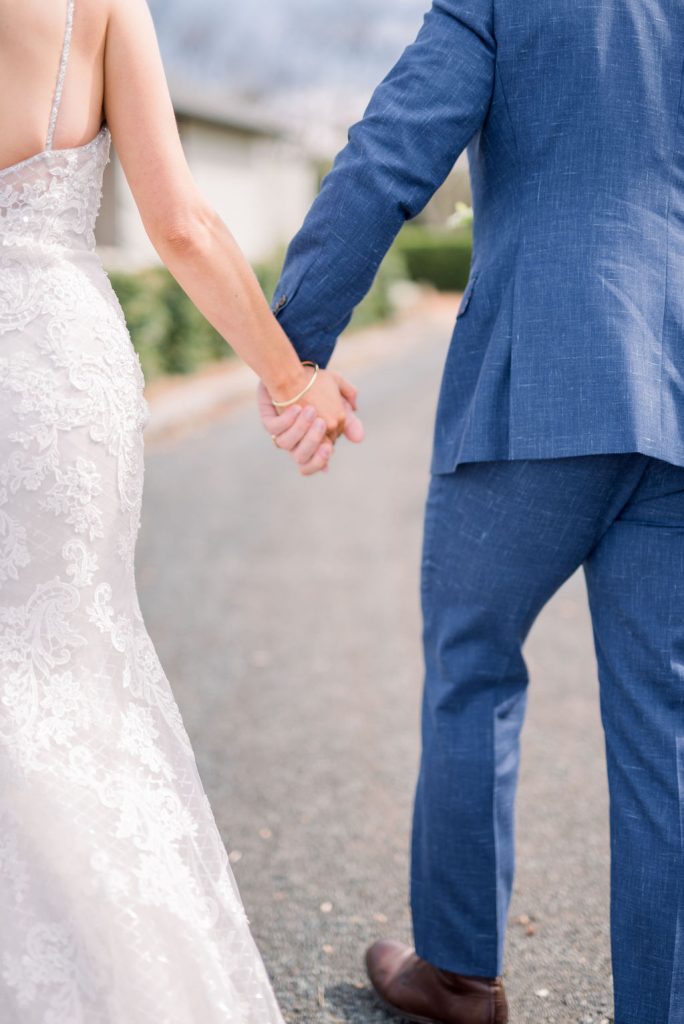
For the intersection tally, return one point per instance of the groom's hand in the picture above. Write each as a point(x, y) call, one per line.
point(302, 433)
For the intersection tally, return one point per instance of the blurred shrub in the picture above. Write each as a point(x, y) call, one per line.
point(168, 331)
point(377, 305)
point(268, 274)
point(171, 335)
point(437, 256)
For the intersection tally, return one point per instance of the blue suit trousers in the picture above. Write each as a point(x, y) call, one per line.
point(500, 539)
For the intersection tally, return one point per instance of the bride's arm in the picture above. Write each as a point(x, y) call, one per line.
point(188, 234)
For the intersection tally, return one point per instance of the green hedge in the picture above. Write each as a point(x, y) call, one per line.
point(377, 305)
point(168, 331)
point(171, 335)
point(436, 256)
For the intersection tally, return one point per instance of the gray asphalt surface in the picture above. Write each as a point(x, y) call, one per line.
point(286, 614)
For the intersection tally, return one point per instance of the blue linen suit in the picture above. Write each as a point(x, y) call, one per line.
point(559, 439)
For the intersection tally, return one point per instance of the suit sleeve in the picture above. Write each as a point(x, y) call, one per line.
point(418, 122)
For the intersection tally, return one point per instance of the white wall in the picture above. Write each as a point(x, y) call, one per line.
point(261, 187)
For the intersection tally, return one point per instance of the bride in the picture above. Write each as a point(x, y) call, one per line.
point(117, 904)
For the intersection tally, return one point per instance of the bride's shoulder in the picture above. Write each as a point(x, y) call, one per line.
point(125, 13)
point(123, 7)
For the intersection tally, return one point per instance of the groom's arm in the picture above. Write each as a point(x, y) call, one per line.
point(417, 124)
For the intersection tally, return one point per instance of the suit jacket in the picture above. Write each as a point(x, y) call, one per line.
point(570, 335)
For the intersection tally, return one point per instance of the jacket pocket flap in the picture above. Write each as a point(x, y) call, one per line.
point(467, 295)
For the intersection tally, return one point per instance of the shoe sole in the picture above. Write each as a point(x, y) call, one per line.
point(400, 1013)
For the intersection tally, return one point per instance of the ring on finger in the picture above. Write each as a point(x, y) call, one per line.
point(275, 441)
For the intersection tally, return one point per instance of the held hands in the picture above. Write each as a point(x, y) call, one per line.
point(309, 429)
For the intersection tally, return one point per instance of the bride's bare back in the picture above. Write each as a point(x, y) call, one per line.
point(31, 37)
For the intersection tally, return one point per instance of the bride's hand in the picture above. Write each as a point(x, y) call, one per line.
point(302, 433)
point(331, 396)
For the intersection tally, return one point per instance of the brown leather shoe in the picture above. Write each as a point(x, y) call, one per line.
point(417, 991)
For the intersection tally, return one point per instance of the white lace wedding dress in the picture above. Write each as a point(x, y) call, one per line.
point(117, 904)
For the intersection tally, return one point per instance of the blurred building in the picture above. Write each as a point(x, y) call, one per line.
point(259, 179)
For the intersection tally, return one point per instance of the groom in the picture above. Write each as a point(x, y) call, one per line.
point(559, 443)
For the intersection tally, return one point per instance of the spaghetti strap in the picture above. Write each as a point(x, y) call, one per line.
point(64, 60)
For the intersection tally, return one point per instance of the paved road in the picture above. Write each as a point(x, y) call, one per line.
point(286, 614)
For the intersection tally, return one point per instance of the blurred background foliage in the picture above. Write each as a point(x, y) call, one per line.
point(437, 256)
point(172, 337)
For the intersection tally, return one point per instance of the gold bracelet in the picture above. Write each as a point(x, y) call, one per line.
point(291, 401)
